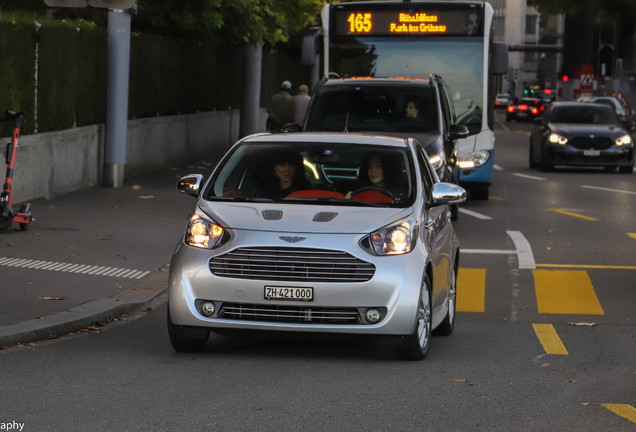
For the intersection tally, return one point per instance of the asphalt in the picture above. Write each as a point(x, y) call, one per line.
point(91, 255)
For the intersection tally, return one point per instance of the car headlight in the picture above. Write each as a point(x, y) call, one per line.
point(557, 139)
point(203, 233)
point(438, 160)
point(474, 159)
point(624, 140)
point(395, 239)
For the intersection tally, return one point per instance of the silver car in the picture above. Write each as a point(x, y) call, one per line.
point(318, 232)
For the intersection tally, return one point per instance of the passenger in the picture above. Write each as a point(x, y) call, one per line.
point(383, 171)
point(289, 176)
point(412, 108)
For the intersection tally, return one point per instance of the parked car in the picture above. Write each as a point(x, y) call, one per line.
point(339, 254)
point(581, 134)
point(616, 105)
point(502, 100)
point(526, 110)
point(400, 107)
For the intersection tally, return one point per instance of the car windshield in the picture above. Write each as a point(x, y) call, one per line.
point(374, 109)
point(315, 173)
point(579, 114)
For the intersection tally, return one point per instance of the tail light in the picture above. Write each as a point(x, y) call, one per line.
point(523, 107)
point(496, 102)
point(511, 109)
point(534, 111)
point(542, 108)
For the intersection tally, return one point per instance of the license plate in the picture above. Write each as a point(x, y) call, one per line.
point(289, 293)
point(521, 114)
point(592, 152)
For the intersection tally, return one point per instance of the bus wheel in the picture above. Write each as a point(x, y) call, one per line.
point(479, 193)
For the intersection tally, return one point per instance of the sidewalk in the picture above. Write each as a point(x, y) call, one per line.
point(91, 255)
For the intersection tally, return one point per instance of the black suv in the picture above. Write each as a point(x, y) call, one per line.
point(401, 107)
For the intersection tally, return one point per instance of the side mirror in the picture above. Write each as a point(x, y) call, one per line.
point(190, 184)
point(631, 125)
point(538, 121)
point(500, 58)
point(458, 131)
point(292, 127)
point(448, 193)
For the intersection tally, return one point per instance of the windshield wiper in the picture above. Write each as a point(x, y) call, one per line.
point(240, 199)
point(336, 200)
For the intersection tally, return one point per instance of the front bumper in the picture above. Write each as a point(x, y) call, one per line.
point(394, 288)
point(612, 157)
point(481, 175)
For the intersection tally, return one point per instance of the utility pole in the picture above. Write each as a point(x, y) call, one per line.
point(118, 80)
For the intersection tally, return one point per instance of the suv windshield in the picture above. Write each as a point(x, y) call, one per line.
point(374, 109)
point(584, 114)
point(315, 173)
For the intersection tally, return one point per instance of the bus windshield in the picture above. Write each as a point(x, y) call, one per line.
point(458, 60)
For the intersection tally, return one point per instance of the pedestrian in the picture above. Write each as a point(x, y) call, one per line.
point(281, 108)
point(302, 102)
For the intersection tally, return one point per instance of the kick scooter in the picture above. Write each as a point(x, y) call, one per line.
point(7, 214)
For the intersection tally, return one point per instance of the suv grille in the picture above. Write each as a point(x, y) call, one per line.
point(289, 314)
point(291, 265)
point(585, 143)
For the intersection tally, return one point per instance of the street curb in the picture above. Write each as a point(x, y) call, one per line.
point(87, 314)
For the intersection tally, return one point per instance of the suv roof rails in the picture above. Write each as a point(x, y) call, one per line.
point(324, 79)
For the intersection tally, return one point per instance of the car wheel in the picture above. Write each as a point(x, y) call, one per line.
point(479, 193)
point(610, 168)
point(182, 342)
point(420, 339)
point(546, 165)
point(454, 209)
point(447, 326)
point(507, 119)
point(626, 169)
point(533, 164)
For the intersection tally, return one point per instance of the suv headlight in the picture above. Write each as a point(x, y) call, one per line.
point(438, 160)
point(557, 139)
point(395, 239)
point(203, 232)
point(474, 159)
point(624, 140)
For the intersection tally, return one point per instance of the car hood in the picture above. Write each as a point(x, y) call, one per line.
point(571, 130)
point(299, 218)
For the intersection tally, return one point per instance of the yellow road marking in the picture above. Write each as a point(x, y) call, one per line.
point(497, 198)
point(565, 292)
point(586, 266)
point(471, 290)
point(549, 339)
point(632, 235)
point(623, 410)
point(574, 214)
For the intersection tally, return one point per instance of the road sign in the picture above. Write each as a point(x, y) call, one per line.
point(110, 4)
point(587, 79)
point(622, 99)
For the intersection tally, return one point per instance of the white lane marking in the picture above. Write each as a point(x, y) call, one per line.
point(474, 214)
point(503, 126)
point(524, 251)
point(528, 176)
point(73, 268)
point(609, 190)
point(488, 251)
point(498, 168)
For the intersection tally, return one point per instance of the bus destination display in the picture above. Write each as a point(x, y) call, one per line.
point(412, 22)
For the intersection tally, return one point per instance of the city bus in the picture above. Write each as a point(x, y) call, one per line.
point(416, 39)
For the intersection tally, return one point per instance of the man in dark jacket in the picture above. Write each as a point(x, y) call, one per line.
point(280, 109)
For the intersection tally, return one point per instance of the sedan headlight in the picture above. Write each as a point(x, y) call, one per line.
point(474, 159)
point(438, 160)
point(624, 140)
point(203, 233)
point(557, 139)
point(395, 239)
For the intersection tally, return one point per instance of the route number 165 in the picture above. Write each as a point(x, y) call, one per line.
point(360, 23)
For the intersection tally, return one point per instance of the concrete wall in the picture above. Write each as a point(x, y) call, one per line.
point(56, 163)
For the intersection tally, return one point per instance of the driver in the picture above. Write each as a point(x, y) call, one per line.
point(289, 175)
point(383, 172)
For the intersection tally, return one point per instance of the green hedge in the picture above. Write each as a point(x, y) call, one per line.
point(168, 76)
point(17, 71)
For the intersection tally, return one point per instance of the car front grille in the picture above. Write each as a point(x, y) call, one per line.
point(586, 143)
point(291, 264)
point(289, 314)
